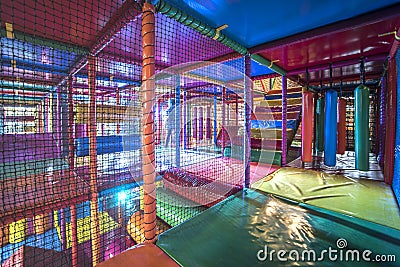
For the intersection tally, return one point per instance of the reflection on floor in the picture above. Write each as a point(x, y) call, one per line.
point(233, 232)
point(366, 199)
point(345, 165)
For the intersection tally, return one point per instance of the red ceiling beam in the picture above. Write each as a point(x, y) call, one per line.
point(338, 64)
point(366, 19)
point(265, 76)
point(354, 77)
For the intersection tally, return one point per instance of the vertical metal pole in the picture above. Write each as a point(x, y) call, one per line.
point(118, 98)
point(215, 116)
point(284, 119)
point(248, 104)
point(102, 116)
point(71, 157)
point(57, 119)
point(148, 96)
point(223, 120)
point(40, 118)
point(237, 110)
point(46, 113)
point(159, 114)
point(208, 122)
point(382, 121)
point(195, 124)
point(92, 130)
point(177, 114)
point(63, 230)
point(189, 120)
point(227, 114)
point(185, 120)
point(201, 123)
point(315, 124)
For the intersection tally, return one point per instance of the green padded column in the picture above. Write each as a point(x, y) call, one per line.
point(361, 125)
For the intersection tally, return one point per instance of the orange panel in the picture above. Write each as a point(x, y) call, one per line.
point(307, 127)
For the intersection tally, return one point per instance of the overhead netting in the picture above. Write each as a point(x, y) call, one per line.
point(71, 191)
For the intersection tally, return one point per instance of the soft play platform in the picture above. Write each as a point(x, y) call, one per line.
point(210, 181)
point(365, 199)
point(174, 209)
point(243, 230)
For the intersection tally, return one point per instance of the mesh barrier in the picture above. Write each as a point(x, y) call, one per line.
point(196, 96)
point(71, 113)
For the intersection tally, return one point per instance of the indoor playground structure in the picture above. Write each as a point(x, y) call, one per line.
point(199, 133)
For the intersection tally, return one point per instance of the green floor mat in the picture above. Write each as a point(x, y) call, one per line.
point(239, 230)
point(174, 209)
point(365, 199)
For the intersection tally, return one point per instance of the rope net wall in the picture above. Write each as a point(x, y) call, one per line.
point(196, 116)
point(71, 129)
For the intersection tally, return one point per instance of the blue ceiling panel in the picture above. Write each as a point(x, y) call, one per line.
point(255, 22)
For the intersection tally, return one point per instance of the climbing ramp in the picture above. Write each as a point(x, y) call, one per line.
point(266, 127)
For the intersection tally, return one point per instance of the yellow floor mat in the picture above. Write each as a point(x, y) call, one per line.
point(366, 199)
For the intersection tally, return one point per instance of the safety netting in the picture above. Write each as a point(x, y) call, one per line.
point(72, 126)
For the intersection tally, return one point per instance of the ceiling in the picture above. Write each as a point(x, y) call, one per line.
point(295, 34)
point(255, 22)
point(308, 34)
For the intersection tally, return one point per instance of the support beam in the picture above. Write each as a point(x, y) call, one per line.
point(284, 120)
point(177, 119)
point(248, 104)
point(148, 96)
point(92, 131)
point(71, 158)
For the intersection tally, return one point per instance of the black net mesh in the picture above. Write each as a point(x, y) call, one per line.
point(196, 94)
